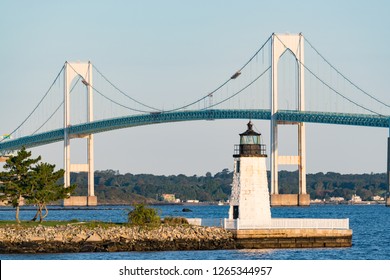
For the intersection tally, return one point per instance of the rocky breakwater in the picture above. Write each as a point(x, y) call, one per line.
point(80, 238)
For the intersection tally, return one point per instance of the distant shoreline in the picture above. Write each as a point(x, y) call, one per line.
point(60, 207)
point(348, 203)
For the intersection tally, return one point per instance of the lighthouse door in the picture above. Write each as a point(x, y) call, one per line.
point(235, 212)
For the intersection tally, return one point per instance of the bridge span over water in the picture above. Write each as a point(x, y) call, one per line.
point(278, 80)
point(163, 117)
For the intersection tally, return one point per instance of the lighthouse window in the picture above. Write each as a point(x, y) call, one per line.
point(238, 166)
point(235, 212)
point(250, 139)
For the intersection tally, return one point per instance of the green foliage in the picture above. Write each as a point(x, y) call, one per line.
point(17, 179)
point(46, 189)
point(129, 188)
point(26, 178)
point(112, 187)
point(330, 184)
point(142, 215)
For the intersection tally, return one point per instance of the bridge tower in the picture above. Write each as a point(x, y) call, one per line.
point(73, 70)
point(280, 44)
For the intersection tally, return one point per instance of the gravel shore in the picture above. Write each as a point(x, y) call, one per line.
point(80, 238)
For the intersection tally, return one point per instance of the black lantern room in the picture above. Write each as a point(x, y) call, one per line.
point(250, 144)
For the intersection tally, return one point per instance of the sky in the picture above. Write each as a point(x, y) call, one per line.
point(167, 53)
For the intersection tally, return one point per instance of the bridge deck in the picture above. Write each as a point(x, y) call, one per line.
point(163, 117)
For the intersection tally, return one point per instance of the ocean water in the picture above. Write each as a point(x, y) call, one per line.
point(370, 225)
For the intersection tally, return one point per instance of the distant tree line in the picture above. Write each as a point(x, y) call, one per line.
point(331, 184)
point(113, 187)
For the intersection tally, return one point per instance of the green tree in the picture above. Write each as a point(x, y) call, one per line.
point(46, 188)
point(16, 181)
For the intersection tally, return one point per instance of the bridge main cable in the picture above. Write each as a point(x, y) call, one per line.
point(346, 78)
point(122, 92)
point(108, 98)
point(39, 103)
point(234, 76)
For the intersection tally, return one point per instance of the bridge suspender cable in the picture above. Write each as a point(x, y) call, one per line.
point(328, 86)
point(55, 111)
point(117, 103)
point(234, 76)
point(122, 92)
point(39, 103)
point(352, 83)
point(100, 93)
point(241, 90)
point(256, 53)
point(337, 92)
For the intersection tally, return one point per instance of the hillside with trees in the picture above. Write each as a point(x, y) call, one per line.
point(111, 187)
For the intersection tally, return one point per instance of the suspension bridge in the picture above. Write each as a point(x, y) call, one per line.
point(287, 81)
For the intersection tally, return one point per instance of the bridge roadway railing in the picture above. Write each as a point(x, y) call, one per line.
point(275, 223)
point(292, 223)
point(165, 117)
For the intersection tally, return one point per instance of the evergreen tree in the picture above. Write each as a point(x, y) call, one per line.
point(16, 181)
point(46, 188)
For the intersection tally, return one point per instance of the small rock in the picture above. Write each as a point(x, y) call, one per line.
point(94, 238)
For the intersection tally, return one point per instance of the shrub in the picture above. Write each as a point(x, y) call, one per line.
point(143, 215)
point(175, 221)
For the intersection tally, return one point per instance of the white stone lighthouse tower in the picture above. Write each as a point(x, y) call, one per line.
point(249, 202)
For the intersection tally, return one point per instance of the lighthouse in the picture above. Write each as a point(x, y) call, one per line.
point(249, 201)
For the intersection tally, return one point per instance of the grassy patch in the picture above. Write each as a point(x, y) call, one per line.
point(26, 224)
point(175, 221)
point(169, 221)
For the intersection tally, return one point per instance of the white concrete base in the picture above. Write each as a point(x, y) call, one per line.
point(80, 201)
point(290, 200)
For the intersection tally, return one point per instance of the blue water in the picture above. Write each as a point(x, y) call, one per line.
point(370, 225)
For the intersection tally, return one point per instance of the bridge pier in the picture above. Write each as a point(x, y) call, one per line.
point(290, 200)
point(80, 201)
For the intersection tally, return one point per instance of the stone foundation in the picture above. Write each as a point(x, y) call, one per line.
point(292, 238)
point(78, 238)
